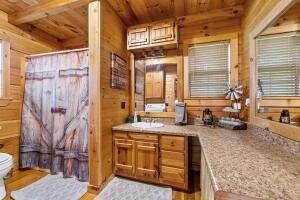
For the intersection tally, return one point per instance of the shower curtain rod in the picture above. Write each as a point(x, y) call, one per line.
point(55, 52)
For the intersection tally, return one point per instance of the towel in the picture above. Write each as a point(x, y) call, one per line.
point(180, 109)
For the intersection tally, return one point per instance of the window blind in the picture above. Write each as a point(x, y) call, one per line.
point(278, 64)
point(209, 69)
point(1, 69)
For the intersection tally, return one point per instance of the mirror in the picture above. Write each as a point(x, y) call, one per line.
point(278, 69)
point(156, 85)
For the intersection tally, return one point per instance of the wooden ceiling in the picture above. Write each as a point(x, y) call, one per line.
point(57, 25)
point(143, 11)
point(65, 22)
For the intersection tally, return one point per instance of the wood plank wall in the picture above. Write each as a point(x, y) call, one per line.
point(255, 11)
point(113, 39)
point(21, 44)
point(197, 105)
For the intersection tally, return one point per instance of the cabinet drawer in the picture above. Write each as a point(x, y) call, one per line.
point(173, 176)
point(174, 159)
point(172, 143)
point(144, 137)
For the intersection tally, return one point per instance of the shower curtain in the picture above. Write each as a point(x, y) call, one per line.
point(55, 114)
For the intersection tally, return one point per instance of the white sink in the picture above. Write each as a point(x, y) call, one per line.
point(145, 125)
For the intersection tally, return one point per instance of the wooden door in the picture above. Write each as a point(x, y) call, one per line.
point(149, 85)
point(124, 157)
point(158, 84)
point(163, 32)
point(147, 160)
point(138, 36)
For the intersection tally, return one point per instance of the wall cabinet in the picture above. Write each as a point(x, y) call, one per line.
point(138, 36)
point(157, 34)
point(154, 85)
point(161, 159)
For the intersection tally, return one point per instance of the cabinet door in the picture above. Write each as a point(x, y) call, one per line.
point(173, 176)
point(163, 32)
point(158, 84)
point(138, 36)
point(124, 157)
point(149, 85)
point(147, 160)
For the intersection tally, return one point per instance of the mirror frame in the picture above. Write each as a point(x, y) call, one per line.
point(291, 132)
point(178, 60)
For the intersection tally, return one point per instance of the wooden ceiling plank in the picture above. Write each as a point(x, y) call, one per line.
point(123, 9)
point(41, 10)
point(213, 15)
point(3, 16)
point(140, 10)
point(42, 35)
point(179, 7)
point(80, 41)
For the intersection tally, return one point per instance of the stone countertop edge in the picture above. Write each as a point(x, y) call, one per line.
point(247, 150)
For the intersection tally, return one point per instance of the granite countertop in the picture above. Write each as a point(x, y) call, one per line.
point(242, 162)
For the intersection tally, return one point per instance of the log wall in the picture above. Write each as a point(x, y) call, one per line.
point(21, 44)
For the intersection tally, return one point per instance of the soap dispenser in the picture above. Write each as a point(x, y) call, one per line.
point(135, 118)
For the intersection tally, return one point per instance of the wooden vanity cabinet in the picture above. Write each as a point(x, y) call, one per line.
point(146, 160)
point(161, 159)
point(124, 156)
point(173, 168)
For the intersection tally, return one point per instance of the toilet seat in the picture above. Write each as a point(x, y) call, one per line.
point(6, 161)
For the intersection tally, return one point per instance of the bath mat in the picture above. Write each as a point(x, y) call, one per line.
point(123, 189)
point(52, 187)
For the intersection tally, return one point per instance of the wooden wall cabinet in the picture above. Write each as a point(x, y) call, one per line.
point(151, 158)
point(138, 36)
point(157, 34)
point(154, 85)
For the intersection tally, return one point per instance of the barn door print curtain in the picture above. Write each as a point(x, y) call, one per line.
point(55, 114)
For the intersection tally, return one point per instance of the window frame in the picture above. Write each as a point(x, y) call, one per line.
point(234, 60)
point(273, 31)
point(6, 67)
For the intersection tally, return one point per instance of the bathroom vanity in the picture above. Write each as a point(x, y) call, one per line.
point(151, 158)
point(159, 156)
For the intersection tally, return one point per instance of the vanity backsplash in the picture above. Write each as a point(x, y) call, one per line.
point(287, 144)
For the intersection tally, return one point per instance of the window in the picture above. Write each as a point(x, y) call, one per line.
point(209, 69)
point(4, 68)
point(278, 64)
point(1, 68)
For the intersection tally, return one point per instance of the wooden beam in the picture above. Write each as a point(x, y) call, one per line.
point(124, 11)
point(44, 9)
point(3, 16)
point(42, 35)
point(214, 15)
point(80, 41)
point(95, 98)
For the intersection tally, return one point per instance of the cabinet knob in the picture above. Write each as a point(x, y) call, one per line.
point(1, 146)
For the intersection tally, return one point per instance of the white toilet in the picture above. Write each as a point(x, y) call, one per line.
point(6, 165)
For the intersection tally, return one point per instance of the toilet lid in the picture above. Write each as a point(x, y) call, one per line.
point(4, 157)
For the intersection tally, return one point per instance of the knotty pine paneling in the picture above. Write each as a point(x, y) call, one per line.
point(113, 39)
point(21, 44)
point(196, 106)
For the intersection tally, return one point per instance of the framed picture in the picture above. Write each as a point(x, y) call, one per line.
point(119, 73)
